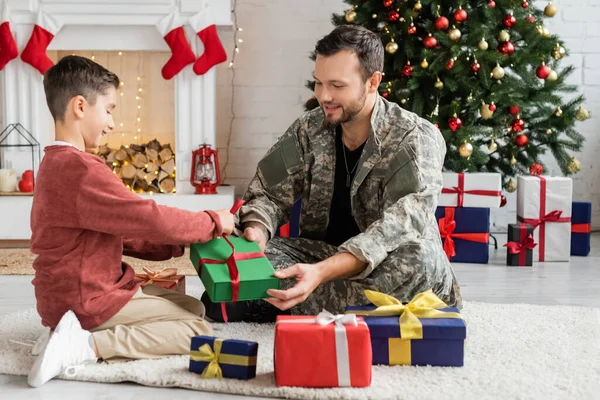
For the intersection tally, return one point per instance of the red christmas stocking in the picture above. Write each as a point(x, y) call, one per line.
point(44, 31)
point(8, 46)
point(171, 28)
point(214, 53)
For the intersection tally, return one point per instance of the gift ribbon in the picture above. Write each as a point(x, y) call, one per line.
point(342, 352)
point(447, 224)
point(423, 305)
point(552, 216)
point(525, 243)
point(460, 191)
point(214, 358)
point(581, 228)
point(164, 275)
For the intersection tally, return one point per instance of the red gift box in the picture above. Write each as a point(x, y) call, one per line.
point(323, 351)
point(166, 278)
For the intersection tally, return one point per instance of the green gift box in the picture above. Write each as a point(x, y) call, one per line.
point(255, 270)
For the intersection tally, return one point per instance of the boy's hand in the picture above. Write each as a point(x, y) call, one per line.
point(227, 223)
point(256, 235)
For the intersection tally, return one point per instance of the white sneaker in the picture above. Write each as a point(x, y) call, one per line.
point(68, 348)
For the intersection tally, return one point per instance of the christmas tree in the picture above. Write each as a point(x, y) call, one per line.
point(486, 73)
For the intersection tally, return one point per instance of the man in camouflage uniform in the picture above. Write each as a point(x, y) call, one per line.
point(392, 193)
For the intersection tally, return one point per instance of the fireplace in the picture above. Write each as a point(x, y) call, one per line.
point(122, 36)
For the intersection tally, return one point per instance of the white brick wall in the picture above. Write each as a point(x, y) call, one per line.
point(273, 65)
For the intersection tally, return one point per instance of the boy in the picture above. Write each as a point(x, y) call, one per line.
point(83, 220)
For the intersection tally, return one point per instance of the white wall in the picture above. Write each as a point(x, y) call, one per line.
point(273, 64)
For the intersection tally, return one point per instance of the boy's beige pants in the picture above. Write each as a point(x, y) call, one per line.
point(156, 322)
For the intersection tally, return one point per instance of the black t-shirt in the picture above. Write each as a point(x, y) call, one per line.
point(342, 225)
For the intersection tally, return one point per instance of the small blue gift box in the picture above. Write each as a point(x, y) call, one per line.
point(228, 358)
point(581, 218)
point(442, 343)
point(465, 233)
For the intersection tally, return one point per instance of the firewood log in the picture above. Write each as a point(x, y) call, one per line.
point(165, 154)
point(151, 167)
point(167, 185)
point(121, 154)
point(169, 166)
point(129, 171)
point(139, 160)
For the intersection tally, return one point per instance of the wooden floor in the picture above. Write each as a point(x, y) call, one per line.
point(574, 283)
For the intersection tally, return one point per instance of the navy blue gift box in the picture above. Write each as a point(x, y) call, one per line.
point(470, 237)
point(236, 358)
point(442, 343)
point(581, 218)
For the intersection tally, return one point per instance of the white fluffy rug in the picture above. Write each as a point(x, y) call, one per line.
point(512, 351)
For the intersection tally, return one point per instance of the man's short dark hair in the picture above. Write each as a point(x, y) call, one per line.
point(75, 76)
point(358, 39)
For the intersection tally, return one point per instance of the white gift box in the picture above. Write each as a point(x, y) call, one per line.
point(480, 190)
point(545, 202)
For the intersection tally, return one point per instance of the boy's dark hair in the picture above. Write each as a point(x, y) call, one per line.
point(358, 39)
point(75, 76)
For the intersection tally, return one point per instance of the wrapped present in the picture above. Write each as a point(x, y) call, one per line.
point(580, 228)
point(166, 278)
point(481, 190)
point(423, 332)
point(233, 269)
point(545, 203)
point(465, 233)
point(323, 351)
point(520, 245)
point(223, 358)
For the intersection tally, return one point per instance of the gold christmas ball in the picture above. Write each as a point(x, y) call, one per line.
point(493, 146)
point(465, 150)
point(418, 6)
point(550, 10)
point(574, 165)
point(545, 32)
point(454, 34)
point(485, 111)
point(498, 72)
point(424, 64)
point(558, 112)
point(548, 131)
point(391, 47)
point(483, 45)
point(403, 101)
point(558, 52)
point(553, 76)
point(510, 186)
point(582, 114)
point(374, 16)
point(439, 85)
point(350, 15)
point(513, 160)
point(503, 36)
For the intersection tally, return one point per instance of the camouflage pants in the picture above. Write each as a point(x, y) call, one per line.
point(403, 274)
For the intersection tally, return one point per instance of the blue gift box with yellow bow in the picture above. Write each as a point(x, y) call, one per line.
point(423, 332)
point(223, 358)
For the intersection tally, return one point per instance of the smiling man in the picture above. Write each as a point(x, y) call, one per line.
point(368, 174)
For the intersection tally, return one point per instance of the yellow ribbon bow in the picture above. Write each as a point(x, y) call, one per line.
point(164, 275)
point(213, 358)
point(423, 305)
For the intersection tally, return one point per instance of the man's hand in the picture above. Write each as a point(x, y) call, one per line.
point(308, 277)
point(227, 223)
point(256, 235)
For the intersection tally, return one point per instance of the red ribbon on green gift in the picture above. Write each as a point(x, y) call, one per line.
point(447, 224)
point(460, 190)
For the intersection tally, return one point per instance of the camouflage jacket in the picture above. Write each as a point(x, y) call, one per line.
point(394, 193)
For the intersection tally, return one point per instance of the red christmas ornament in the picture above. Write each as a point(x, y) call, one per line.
point(441, 23)
point(491, 4)
point(530, 19)
point(388, 3)
point(394, 16)
point(518, 125)
point(536, 169)
point(509, 20)
point(506, 48)
point(521, 140)
point(460, 15)
point(430, 42)
point(407, 70)
point(492, 107)
point(543, 71)
point(525, 4)
point(475, 67)
point(514, 109)
point(502, 201)
point(412, 29)
point(385, 94)
point(454, 124)
point(450, 64)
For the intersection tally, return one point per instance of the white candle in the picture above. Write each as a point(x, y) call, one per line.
point(8, 180)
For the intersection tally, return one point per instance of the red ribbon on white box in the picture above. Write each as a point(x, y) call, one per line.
point(341, 340)
point(460, 191)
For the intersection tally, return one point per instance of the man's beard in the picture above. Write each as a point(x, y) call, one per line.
point(348, 113)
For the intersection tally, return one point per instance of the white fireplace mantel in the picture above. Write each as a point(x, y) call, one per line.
point(112, 25)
